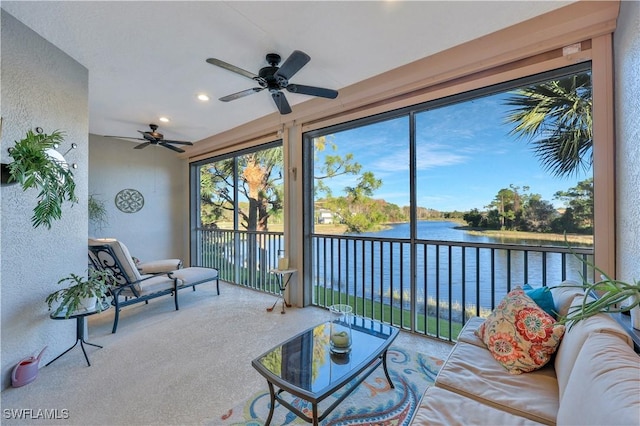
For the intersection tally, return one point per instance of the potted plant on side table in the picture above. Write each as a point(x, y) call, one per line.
point(82, 294)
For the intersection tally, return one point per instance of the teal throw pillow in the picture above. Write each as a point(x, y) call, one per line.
point(543, 298)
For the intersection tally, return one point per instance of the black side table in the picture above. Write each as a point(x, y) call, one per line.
point(284, 276)
point(79, 317)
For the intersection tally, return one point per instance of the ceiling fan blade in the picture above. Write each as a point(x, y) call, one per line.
point(124, 137)
point(281, 102)
point(292, 65)
point(241, 94)
point(313, 91)
point(178, 142)
point(176, 149)
point(232, 68)
point(142, 145)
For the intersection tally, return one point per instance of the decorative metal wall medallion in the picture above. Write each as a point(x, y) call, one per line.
point(129, 201)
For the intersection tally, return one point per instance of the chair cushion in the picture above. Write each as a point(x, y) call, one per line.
point(194, 275)
point(152, 284)
point(519, 334)
point(159, 266)
point(129, 269)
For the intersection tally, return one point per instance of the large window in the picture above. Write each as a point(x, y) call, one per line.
point(449, 200)
point(239, 214)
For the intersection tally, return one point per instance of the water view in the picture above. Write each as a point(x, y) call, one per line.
point(450, 264)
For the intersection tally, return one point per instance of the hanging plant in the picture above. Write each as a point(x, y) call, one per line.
point(97, 212)
point(36, 164)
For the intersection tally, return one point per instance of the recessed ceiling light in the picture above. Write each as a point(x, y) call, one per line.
point(164, 119)
point(203, 97)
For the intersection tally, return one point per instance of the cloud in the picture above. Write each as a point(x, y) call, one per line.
point(435, 156)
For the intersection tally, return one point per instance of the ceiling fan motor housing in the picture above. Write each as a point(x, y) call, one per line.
point(275, 78)
point(155, 135)
point(272, 83)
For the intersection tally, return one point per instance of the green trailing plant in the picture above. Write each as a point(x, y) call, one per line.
point(33, 167)
point(95, 284)
point(605, 296)
point(97, 212)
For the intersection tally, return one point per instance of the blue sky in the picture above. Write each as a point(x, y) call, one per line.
point(465, 156)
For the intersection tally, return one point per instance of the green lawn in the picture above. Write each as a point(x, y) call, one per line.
point(425, 324)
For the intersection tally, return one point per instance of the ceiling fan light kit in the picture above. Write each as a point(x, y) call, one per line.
point(155, 138)
point(275, 79)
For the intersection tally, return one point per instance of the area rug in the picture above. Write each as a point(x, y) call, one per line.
point(373, 402)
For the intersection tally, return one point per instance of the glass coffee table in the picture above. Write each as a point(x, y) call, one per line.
point(304, 366)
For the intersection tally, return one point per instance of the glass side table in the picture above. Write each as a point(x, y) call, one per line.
point(79, 317)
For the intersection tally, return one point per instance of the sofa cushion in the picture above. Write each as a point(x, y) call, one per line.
point(564, 294)
point(519, 334)
point(543, 298)
point(604, 386)
point(472, 371)
point(468, 332)
point(575, 337)
point(442, 407)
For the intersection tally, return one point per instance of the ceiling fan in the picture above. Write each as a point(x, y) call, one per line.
point(275, 79)
point(154, 138)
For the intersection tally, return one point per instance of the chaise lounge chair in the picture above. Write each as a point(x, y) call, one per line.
point(130, 286)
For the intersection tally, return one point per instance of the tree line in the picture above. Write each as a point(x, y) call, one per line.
point(515, 209)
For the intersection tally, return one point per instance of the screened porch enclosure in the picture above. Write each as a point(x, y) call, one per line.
point(420, 217)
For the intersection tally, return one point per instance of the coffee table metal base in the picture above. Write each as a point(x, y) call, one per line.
point(316, 419)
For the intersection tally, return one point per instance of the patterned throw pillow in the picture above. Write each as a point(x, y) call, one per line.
point(519, 334)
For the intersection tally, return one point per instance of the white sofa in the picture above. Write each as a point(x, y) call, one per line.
point(593, 379)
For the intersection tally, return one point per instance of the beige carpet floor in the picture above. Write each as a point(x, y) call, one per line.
point(167, 367)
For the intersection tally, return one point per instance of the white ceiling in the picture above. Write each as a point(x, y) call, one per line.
point(147, 59)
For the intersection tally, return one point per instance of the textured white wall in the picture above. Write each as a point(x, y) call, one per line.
point(158, 230)
point(627, 92)
point(41, 87)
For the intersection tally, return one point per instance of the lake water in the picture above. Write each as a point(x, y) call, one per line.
point(372, 268)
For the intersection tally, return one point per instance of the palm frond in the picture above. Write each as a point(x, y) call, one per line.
point(556, 118)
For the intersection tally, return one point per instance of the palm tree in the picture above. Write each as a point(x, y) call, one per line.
point(556, 117)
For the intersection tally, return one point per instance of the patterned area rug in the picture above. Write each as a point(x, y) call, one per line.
point(373, 402)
